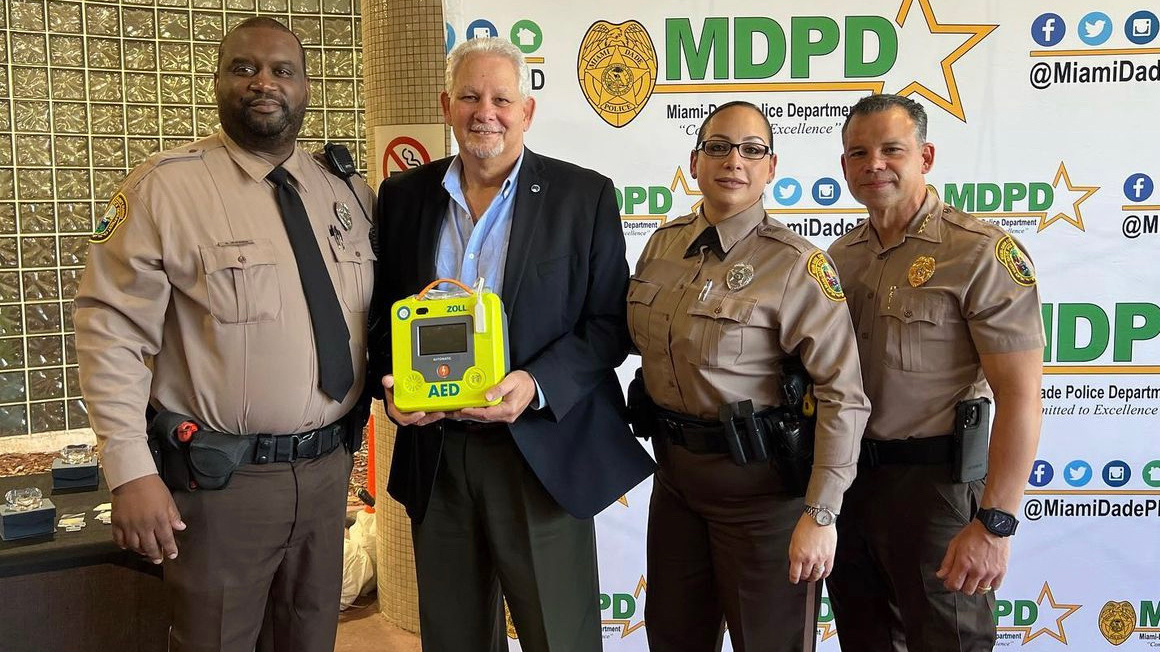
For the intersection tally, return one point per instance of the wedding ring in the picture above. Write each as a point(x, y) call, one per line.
point(984, 589)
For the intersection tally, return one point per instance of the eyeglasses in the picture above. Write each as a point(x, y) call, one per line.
point(722, 148)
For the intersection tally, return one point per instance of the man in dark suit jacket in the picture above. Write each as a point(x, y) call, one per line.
point(504, 496)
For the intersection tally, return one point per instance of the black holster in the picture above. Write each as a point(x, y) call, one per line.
point(791, 428)
point(355, 422)
point(642, 413)
point(792, 446)
point(206, 460)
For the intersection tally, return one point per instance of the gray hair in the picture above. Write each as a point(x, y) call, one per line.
point(496, 46)
point(880, 103)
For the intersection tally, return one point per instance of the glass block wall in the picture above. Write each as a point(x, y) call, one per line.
point(87, 91)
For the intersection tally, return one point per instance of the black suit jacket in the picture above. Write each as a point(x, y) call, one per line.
point(564, 290)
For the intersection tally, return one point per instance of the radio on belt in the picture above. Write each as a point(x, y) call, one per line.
point(448, 350)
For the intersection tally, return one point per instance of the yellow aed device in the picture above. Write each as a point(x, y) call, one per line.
point(448, 350)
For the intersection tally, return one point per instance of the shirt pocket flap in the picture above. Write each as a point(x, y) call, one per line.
point(346, 252)
point(642, 292)
point(238, 254)
point(737, 309)
point(912, 307)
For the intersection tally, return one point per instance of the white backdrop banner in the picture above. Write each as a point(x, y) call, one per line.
point(1043, 116)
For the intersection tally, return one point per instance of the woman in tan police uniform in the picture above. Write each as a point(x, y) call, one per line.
point(720, 299)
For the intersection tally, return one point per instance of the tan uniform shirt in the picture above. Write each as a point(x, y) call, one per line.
point(191, 298)
point(703, 348)
point(926, 308)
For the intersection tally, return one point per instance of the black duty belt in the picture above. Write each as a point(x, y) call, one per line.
point(266, 449)
point(697, 435)
point(925, 450)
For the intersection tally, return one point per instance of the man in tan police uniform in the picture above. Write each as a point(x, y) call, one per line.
point(946, 308)
point(192, 302)
point(719, 300)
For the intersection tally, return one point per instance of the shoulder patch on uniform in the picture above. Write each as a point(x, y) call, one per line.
point(823, 272)
point(1016, 262)
point(115, 215)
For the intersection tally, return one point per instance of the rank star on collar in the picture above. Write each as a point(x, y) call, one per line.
point(913, 32)
point(1076, 219)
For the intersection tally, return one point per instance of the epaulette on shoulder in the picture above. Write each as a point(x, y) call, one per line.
point(968, 222)
point(784, 236)
point(192, 152)
point(680, 221)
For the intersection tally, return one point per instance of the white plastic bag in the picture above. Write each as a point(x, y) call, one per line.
point(358, 559)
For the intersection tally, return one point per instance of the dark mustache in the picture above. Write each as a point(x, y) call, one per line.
point(253, 99)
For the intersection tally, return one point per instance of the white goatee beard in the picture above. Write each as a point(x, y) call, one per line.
point(480, 151)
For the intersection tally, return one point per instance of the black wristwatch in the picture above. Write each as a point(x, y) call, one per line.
point(998, 522)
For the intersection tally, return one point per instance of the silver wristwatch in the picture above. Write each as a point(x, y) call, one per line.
point(822, 515)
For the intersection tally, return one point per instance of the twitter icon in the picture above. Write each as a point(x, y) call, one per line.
point(1077, 473)
point(1095, 28)
point(787, 191)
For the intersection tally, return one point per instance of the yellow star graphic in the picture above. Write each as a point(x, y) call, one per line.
point(953, 103)
point(828, 632)
point(680, 180)
point(1058, 633)
point(626, 625)
point(1076, 221)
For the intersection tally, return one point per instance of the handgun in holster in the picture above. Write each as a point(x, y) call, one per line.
point(190, 456)
point(790, 428)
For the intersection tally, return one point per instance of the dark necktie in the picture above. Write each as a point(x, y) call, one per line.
point(708, 238)
point(331, 337)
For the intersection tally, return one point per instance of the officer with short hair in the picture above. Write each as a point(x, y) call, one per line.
point(947, 311)
point(227, 288)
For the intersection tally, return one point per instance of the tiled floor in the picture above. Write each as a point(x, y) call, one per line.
point(366, 630)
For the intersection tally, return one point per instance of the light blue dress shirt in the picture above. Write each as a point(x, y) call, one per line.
point(469, 249)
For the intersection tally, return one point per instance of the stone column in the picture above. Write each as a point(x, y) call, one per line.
point(403, 62)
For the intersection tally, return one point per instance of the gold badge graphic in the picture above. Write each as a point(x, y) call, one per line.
point(1015, 261)
point(820, 269)
point(1117, 621)
point(617, 70)
point(739, 276)
point(920, 271)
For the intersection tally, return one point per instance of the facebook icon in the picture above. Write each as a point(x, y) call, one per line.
point(1048, 29)
point(1138, 187)
point(1041, 473)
